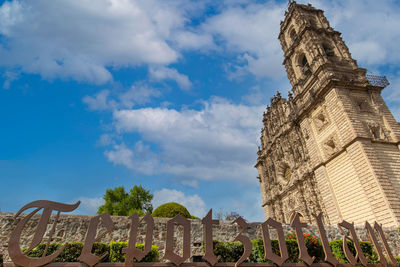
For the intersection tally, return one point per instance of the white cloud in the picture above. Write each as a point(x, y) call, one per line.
point(105, 140)
point(103, 34)
point(191, 183)
point(218, 142)
point(120, 155)
point(187, 40)
point(99, 34)
point(251, 31)
point(164, 73)
point(193, 203)
point(9, 76)
point(99, 101)
point(139, 158)
point(138, 94)
point(89, 205)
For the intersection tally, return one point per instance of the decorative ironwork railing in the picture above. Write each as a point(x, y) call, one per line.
point(377, 80)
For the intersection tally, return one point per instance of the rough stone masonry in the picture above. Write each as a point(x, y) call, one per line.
point(72, 228)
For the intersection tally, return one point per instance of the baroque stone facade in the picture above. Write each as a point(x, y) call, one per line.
point(333, 145)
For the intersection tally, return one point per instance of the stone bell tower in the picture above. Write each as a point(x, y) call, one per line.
point(333, 145)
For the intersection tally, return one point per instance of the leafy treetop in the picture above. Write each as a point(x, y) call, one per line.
point(120, 203)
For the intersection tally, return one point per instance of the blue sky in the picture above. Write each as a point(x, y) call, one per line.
point(96, 94)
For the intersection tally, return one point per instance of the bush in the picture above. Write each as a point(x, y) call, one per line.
point(116, 254)
point(257, 254)
point(170, 210)
point(337, 250)
point(73, 250)
point(228, 251)
point(314, 248)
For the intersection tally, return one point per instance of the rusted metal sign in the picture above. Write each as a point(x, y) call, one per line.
point(20, 257)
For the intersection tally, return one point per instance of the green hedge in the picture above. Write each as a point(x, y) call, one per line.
point(232, 251)
point(367, 248)
point(73, 250)
point(229, 251)
point(116, 254)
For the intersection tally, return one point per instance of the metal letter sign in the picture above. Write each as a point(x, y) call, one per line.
point(169, 248)
point(87, 256)
point(208, 239)
point(269, 255)
point(20, 258)
point(131, 251)
point(14, 249)
point(324, 240)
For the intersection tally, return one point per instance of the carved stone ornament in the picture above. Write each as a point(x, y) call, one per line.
point(377, 131)
point(362, 104)
point(306, 133)
point(284, 174)
point(331, 145)
point(320, 120)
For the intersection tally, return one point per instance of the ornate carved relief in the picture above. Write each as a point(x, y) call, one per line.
point(321, 121)
point(362, 104)
point(377, 131)
point(331, 145)
point(284, 174)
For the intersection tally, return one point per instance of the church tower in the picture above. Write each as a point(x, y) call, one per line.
point(333, 145)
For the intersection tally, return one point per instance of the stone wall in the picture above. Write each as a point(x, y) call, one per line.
point(72, 228)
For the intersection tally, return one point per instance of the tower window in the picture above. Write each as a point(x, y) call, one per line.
point(293, 35)
point(305, 67)
point(312, 22)
point(328, 51)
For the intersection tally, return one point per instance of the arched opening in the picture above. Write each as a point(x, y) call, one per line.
point(305, 67)
point(293, 35)
point(328, 50)
point(291, 215)
point(312, 22)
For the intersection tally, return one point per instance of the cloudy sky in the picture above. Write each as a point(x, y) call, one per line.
point(96, 94)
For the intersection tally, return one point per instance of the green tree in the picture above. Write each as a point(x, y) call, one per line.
point(120, 203)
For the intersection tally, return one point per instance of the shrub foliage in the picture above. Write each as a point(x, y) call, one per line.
point(228, 251)
point(232, 251)
point(170, 210)
point(116, 254)
point(73, 250)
